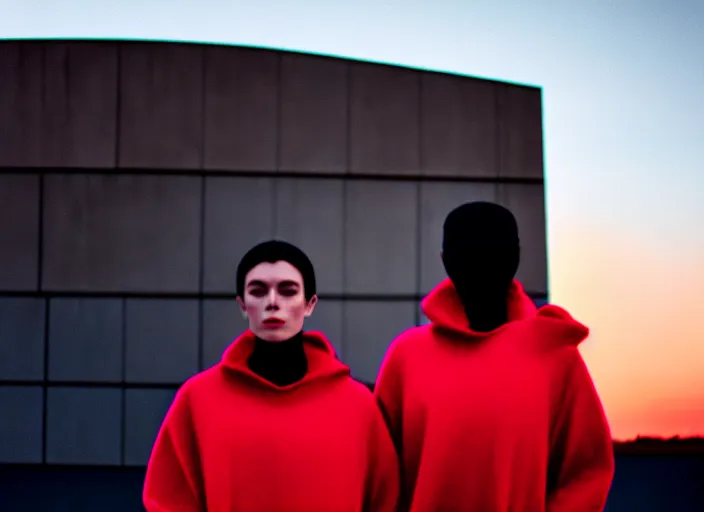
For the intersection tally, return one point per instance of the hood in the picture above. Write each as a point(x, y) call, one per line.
point(444, 309)
point(553, 325)
point(322, 360)
point(557, 326)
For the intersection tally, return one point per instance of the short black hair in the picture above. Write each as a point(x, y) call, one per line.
point(479, 222)
point(272, 251)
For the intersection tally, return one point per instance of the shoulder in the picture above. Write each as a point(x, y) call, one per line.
point(202, 382)
point(570, 361)
point(567, 369)
point(357, 394)
point(409, 340)
point(358, 390)
point(411, 345)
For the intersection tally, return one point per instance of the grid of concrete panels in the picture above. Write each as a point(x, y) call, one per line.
point(163, 248)
point(119, 233)
point(184, 107)
point(159, 106)
point(103, 354)
point(151, 235)
point(95, 407)
point(165, 341)
point(110, 343)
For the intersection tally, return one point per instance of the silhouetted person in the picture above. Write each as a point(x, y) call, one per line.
point(491, 405)
point(480, 253)
point(279, 424)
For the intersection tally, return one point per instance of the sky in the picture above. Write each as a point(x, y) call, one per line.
point(623, 92)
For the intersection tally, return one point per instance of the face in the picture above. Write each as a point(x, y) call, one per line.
point(483, 272)
point(274, 301)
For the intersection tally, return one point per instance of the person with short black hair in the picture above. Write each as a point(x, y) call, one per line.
point(491, 405)
point(278, 424)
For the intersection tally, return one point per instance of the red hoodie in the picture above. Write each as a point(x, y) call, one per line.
point(495, 422)
point(233, 441)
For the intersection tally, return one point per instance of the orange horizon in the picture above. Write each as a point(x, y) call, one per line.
point(642, 307)
point(658, 438)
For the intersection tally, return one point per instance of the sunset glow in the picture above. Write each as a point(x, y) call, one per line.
point(645, 351)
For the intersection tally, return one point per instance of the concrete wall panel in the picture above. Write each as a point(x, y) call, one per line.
point(241, 105)
point(222, 324)
point(161, 99)
point(422, 319)
point(381, 237)
point(22, 321)
point(314, 114)
point(122, 233)
point(370, 326)
point(527, 203)
point(161, 340)
point(310, 214)
point(80, 100)
point(85, 340)
point(459, 126)
point(384, 120)
point(328, 318)
point(19, 231)
point(239, 213)
point(145, 410)
point(437, 200)
point(21, 103)
point(521, 131)
point(84, 426)
point(21, 424)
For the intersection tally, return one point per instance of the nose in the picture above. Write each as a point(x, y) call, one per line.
point(272, 300)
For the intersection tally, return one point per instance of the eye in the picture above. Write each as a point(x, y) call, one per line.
point(257, 291)
point(288, 290)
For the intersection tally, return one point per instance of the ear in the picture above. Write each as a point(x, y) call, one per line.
point(516, 262)
point(444, 263)
point(311, 306)
point(241, 303)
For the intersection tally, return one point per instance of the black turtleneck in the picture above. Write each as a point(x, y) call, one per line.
point(282, 362)
point(485, 312)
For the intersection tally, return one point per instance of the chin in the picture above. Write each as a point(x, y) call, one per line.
point(274, 336)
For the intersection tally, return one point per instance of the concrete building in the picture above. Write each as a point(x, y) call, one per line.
point(133, 176)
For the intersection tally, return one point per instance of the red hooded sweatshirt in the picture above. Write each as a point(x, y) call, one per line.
point(502, 421)
point(234, 442)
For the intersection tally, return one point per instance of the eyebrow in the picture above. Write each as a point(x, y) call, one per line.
point(287, 283)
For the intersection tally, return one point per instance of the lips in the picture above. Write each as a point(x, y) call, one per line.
point(274, 322)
